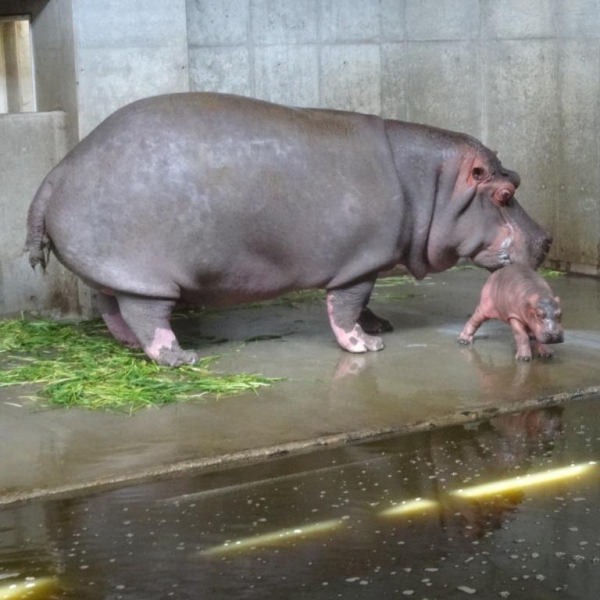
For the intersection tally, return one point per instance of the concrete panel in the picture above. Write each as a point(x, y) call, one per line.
point(32, 144)
point(351, 78)
point(112, 77)
point(513, 19)
point(444, 85)
point(578, 18)
point(442, 19)
point(579, 206)
point(394, 82)
point(523, 120)
point(392, 19)
point(220, 70)
point(217, 22)
point(287, 74)
point(284, 21)
point(349, 20)
point(131, 24)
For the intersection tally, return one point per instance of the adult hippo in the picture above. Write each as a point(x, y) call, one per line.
point(219, 199)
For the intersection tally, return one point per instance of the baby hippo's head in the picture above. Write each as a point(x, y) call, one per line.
point(545, 319)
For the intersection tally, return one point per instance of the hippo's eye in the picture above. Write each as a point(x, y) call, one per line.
point(478, 173)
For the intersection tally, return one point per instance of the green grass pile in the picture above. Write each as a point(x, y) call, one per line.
point(550, 273)
point(78, 364)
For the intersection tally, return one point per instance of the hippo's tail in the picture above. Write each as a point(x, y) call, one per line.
point(38, 242)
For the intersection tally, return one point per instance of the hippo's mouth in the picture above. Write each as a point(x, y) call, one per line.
point(493, 259)
point(497, 255)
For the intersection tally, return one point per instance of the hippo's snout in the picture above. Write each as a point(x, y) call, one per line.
point(540, 248)
point(553, 333)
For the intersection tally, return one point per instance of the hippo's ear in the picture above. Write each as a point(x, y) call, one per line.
point(557, 300)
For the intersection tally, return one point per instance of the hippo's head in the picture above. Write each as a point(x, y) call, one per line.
point(463, 202)
point(508, 233)
point(544, 318)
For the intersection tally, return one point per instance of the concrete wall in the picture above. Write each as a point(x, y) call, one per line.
point(521, 75)
point(126, 51)
point(32, 143)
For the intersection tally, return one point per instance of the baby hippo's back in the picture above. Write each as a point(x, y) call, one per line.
point(511, 292)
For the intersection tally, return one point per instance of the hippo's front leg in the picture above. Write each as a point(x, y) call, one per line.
point(521, 340)
point(344, 306)
point(542, 350)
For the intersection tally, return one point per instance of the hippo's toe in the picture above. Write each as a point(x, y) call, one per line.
point(176, 358)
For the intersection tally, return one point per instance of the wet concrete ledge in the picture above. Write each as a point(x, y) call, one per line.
point(259, 454)
point(422, 380)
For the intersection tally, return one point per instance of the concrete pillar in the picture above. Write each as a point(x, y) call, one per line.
point(18, 95)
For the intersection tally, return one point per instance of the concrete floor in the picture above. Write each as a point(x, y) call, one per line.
point(422, 378)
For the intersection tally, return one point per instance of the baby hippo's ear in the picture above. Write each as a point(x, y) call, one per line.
point(557, 299)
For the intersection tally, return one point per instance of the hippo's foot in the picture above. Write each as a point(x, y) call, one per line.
point(465, 340)
point(176, 358)
point(372, 323)
point(523, 357)
point(345, 306)
point(542, 350)
point(358, 341)
point(148, 319)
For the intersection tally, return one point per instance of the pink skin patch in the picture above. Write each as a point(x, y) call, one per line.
point(355, 340)
point(120, 330)
point(164, 339)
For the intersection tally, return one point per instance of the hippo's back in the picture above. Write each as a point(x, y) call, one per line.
point(176, 191)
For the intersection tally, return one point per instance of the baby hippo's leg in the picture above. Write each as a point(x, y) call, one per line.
point(542, 350)
point(344, 306)
point(521, 336)
point(467, 335)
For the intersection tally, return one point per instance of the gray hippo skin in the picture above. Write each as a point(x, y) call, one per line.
point(218, 199)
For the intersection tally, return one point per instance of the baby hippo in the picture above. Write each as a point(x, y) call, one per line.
point(519, 296)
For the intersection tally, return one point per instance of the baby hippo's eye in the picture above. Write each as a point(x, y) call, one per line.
point(540, 313)
point(558, 315)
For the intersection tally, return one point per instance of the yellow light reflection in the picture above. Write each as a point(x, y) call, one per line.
point(530, 480)
point(30, 588)
point(408, 507)
point(283, 535)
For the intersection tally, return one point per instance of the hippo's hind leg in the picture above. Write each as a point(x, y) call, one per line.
point(344, 306)
point(467, 335)
point(148, 318)
point(109, 309)
point(372, 323)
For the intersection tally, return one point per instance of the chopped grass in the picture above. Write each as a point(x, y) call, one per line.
point(397, 280)
point(78, 365)
point(550, 273)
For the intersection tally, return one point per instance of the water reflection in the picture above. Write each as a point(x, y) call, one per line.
point(371, 521)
